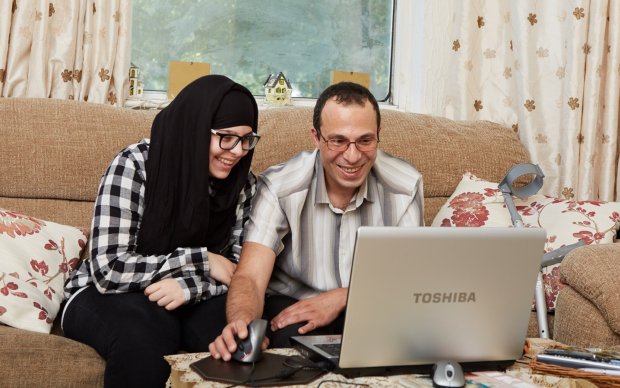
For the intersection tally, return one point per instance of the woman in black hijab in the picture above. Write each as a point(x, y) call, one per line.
point(166, 235)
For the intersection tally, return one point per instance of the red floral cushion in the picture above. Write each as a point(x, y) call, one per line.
point(478, 203)
point(36, 257)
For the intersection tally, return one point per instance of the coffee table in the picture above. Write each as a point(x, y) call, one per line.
point(518, 375)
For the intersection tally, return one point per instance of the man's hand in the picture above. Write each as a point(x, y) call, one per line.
point(318, 311)
point(220, 268)
point(225, 345)
point(167, 293)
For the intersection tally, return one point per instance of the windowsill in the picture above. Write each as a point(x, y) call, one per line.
point(149, 100)
point(159, 100)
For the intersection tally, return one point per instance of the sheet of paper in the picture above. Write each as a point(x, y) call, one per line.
point(182, 73)
point(350, 76)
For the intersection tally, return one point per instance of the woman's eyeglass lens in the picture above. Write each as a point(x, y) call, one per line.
point(230, 141)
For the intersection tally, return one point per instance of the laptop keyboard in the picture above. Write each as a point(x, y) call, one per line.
point(331, 349)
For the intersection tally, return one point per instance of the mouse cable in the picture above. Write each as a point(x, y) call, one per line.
point(343, 382)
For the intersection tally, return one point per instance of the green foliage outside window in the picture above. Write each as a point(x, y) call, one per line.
point(249, 39)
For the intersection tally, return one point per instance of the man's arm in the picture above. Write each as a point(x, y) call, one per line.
point(246, 297)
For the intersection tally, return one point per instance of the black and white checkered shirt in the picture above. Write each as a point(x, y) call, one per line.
point(114, 265)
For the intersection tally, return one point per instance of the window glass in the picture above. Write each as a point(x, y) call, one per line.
point(248, 39)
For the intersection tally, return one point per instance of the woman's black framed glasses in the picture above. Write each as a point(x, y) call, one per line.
point(228, 141)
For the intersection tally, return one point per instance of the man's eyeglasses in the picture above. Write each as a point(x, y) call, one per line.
point(340, 144)
point(229, 141)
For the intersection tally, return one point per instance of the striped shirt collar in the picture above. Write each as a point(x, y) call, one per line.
point(319, 187)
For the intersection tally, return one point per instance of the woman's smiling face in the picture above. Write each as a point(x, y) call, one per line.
point(221, 161)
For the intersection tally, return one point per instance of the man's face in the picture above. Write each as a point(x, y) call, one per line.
point(346, 170)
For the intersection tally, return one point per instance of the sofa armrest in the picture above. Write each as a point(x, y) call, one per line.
point(593, 271)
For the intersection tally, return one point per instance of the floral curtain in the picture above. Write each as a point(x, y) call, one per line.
point(549, 69)
point(65, 49)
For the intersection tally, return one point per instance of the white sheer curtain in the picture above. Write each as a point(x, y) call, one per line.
point(65, 49)
point(550, 69)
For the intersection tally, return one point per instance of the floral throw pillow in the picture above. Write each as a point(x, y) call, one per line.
point(36, 257)
point(479, 203)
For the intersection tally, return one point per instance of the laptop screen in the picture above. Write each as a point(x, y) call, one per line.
point(419, 295)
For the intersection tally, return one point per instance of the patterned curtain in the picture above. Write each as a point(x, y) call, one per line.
point(65, 49)
point(550, 69)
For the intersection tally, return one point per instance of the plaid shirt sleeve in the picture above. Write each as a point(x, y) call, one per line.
point(243, 215)
point(115, 266)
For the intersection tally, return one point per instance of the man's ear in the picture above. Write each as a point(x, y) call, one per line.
point(315, 137)
point(378, 130)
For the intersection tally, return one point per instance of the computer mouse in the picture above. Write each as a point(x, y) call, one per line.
point(249, 349)
point(448, 374)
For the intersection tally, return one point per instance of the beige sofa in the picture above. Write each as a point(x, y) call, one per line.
point(53, 152)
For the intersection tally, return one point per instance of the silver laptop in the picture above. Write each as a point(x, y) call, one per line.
point(420, 295)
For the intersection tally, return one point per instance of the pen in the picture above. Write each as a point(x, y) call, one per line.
point(576, 354)
point(601, 371)
point(572, 362)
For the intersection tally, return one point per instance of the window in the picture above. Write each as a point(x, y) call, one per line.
point(247, 40)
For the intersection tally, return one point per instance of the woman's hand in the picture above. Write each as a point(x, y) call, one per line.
point(166, 293)
point(221, 269)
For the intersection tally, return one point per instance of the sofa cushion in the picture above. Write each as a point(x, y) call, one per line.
point(53, 153)
point(579, 322)
point(479, 203)
point(594, 273)
point(37, 256)
point(31, 359)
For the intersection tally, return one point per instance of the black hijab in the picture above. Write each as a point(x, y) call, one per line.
point(179, 212)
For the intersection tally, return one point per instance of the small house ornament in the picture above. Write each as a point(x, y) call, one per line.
point(277, 89)
point(136, 87)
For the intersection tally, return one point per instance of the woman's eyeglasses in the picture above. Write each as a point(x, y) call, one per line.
point(229, 141)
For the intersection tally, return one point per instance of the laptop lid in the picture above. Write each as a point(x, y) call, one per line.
point(419, 295)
